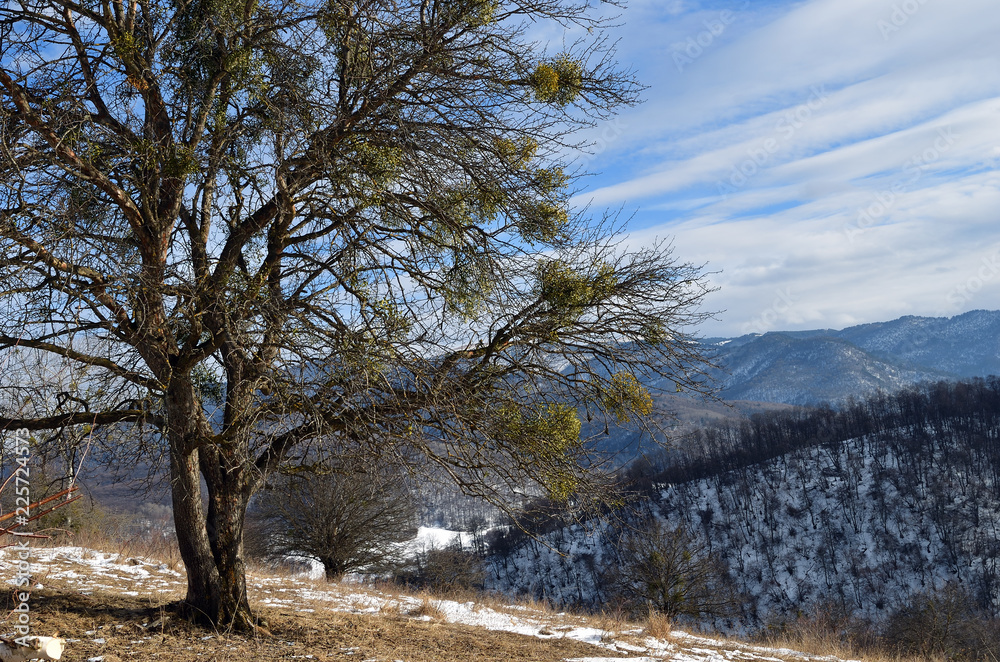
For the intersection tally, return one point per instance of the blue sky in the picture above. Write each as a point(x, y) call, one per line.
point(834, 161)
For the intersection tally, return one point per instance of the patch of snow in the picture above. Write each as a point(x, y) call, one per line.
point(303, 595)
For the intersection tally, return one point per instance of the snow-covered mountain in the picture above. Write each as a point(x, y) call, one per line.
point(808, 367)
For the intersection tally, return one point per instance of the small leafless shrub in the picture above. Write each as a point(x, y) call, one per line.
point(668, 571)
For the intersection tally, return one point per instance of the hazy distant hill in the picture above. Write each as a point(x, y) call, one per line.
point(776, 370)
point(624, 444)
point(807, 367)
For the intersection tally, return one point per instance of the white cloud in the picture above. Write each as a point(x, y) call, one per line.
point(857, 164)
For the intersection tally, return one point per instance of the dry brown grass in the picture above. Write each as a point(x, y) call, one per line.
point(120, 628)
point(658, 626)
point(157, 547)
point(814, 640)
point(401, 626)
point(426, 608)
point(104, 622)
point(613, 622)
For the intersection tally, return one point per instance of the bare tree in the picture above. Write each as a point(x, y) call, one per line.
point(347, 518)
point(249, 228)
point(668, 570)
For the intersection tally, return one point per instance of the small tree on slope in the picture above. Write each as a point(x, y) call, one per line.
point(345, 517)
point(669, 571)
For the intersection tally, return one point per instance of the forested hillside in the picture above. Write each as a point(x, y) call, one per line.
point(866, 510)
point(809, 367)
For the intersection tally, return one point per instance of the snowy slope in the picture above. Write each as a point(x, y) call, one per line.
point(863, 524)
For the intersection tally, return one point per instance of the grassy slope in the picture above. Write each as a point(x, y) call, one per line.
point(115, 607)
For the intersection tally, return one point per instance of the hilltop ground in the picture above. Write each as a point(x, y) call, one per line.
point(112, 607)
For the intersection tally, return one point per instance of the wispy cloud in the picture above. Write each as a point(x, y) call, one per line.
point(838, 157)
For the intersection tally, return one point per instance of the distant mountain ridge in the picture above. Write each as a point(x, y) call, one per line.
point(828, 365)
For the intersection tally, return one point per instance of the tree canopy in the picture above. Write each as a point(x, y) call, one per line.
point(246, 228)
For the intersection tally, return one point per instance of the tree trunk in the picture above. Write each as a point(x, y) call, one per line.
point(192, 540)
point(210, 544)
point(228, 497)
point(226, 515)
point(332, 570)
